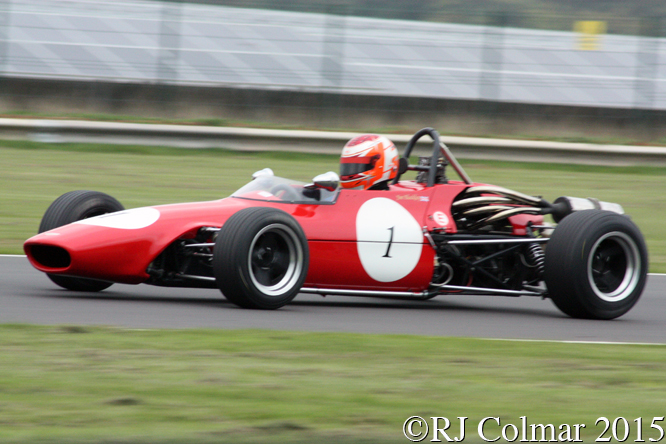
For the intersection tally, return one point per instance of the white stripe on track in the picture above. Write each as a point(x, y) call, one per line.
point(569, 341)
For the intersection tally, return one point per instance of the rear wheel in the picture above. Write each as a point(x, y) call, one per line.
point(71, 207)
point(260, 258)
point(596, 265)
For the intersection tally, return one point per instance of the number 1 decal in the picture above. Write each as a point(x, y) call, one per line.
point(387, 257)
point(390, 242)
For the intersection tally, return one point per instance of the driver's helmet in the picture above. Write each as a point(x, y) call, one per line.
point(368, 161)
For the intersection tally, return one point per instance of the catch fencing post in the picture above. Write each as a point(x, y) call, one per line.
point(169, 45)
point(5, 23)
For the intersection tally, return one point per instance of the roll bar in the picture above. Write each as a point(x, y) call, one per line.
point(439, 149)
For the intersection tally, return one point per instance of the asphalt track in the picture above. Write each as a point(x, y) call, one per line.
point(27, 296)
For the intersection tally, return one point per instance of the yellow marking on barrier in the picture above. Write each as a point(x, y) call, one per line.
point(590, 34)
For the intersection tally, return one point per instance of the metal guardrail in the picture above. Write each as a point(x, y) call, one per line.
point(327, 142)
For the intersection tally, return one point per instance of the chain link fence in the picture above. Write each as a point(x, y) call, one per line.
point(410, 51)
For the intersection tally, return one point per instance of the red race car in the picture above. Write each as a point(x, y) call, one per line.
point(421, 238)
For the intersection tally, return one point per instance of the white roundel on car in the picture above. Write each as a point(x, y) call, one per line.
point(389, 239)
point(127, 220)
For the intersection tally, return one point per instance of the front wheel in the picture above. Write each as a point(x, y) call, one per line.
point(596, 265)
point(260, 258)
point(72, 207)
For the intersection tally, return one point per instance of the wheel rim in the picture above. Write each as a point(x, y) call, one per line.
point(276, 260)
point(614, 266)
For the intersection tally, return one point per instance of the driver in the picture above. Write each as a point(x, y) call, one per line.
point(368, 162)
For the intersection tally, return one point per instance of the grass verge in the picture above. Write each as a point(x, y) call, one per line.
point(98, 385)
point(35, 174)
point(394, 129)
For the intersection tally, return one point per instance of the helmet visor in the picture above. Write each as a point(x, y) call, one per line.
point(355, 165)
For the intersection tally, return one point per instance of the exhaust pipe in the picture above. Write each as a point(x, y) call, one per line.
point(565, 205)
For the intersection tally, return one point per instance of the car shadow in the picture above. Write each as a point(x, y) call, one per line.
point(440, 304)
point(111, 295)
point(430, 305)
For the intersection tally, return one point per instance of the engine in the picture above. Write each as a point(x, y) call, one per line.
point(488, 262)
point(488, 253)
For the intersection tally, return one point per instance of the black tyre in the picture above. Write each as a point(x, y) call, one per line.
point(260, 258)
point(68, 208)
point(596, 265)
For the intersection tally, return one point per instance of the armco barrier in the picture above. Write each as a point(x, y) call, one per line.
point(252, 139)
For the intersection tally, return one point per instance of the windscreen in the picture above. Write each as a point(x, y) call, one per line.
point(279, 189)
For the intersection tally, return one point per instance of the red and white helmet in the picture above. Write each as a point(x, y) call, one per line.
point(366, 161)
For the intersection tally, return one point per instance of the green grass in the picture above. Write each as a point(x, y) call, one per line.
point(34, 174)
point(108, 385)
point(84, 384)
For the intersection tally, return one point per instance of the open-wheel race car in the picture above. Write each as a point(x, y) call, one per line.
point(420, 238)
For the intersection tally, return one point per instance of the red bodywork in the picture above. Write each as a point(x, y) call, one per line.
point(123, 254)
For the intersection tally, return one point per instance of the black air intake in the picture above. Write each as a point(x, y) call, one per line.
point(50, 256)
